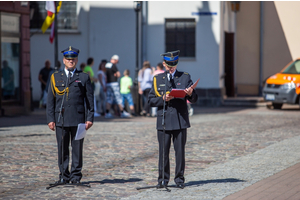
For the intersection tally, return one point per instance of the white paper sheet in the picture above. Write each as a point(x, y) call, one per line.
point(80, 131)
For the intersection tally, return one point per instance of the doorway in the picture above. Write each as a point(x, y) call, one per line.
point(229, 64)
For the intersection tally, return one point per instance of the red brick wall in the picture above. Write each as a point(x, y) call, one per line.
point(18, 7)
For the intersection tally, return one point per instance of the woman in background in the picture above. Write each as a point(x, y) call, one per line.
point(145, 83)
point(101, 74)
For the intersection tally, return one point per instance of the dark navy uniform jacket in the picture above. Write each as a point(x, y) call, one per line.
point(80, 92)
point(176, 116)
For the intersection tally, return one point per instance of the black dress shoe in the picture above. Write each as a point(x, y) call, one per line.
point(180, 185)
point(160, 185)
point(62, 181)
point(75, 182)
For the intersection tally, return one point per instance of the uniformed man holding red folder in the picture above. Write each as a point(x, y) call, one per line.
point(176, 116)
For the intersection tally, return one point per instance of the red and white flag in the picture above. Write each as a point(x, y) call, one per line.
point(51, 38)
point(50, 7)
point(49, 21)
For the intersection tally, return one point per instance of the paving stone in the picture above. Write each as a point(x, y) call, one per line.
point(122, 154)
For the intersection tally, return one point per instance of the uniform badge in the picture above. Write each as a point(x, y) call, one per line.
point(78, 81)
point(178, 83)
point(162, 84)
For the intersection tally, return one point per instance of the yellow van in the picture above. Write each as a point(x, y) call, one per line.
point(284, 87)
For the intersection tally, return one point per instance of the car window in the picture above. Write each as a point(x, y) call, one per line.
point(294, 68)
point(297, 67)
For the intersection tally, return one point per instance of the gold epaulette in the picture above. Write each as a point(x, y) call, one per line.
point(55, 89)
point(186, 73)
point(155, 87)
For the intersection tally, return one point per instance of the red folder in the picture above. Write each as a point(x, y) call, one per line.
point(178, 93)
point(195, 84)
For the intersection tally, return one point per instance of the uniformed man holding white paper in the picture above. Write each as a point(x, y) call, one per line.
point(73, 89)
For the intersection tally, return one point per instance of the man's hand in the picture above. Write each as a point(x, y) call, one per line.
point(52, 126)
point(189, 91)
point(168, 97)
point(140, 91)
point(88, 125)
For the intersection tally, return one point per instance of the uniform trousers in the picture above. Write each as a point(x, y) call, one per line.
point(77, 147)
point(179, 141)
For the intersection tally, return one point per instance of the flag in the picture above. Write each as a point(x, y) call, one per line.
point(50, 7)
point(51, 38)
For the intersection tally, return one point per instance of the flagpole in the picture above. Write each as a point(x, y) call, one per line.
point(55, 37)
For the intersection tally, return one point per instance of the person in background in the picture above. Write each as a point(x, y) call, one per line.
point(82, 66)
point(102, 80)
point(113, 88)
point(8, 87)
point(43, 78)
point(49, 78)
point(145, 82)
point(190, 108)
point(125, 86)
point(89, 70)
point(159, 69)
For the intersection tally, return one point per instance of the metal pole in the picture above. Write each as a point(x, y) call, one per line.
point(137, 108)
point(144, 30)
point(1, 109)
point(234, 59)
point(137, 48)
point(56, 38)
point(261, 48)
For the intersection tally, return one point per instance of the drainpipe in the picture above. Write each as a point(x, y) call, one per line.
point(144, 31)
point(261, 48)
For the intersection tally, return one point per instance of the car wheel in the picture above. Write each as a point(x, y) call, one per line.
point(277, 105)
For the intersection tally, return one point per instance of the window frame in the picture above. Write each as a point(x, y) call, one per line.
point(41, 16)
point(187, 48)
point(12, 37)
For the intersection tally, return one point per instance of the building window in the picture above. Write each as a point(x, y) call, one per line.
point(10, 57)
point(180, 35)
point(67, 17)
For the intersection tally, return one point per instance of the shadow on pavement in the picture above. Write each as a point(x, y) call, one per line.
point(226, 180)
point(226, 109)
point(38, 116)
point(115, 181)
point(31, 135)
point(200, 110)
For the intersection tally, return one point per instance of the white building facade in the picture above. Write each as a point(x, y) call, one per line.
point(104, 28)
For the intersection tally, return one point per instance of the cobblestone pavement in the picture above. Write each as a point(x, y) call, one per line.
point(122, 154)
